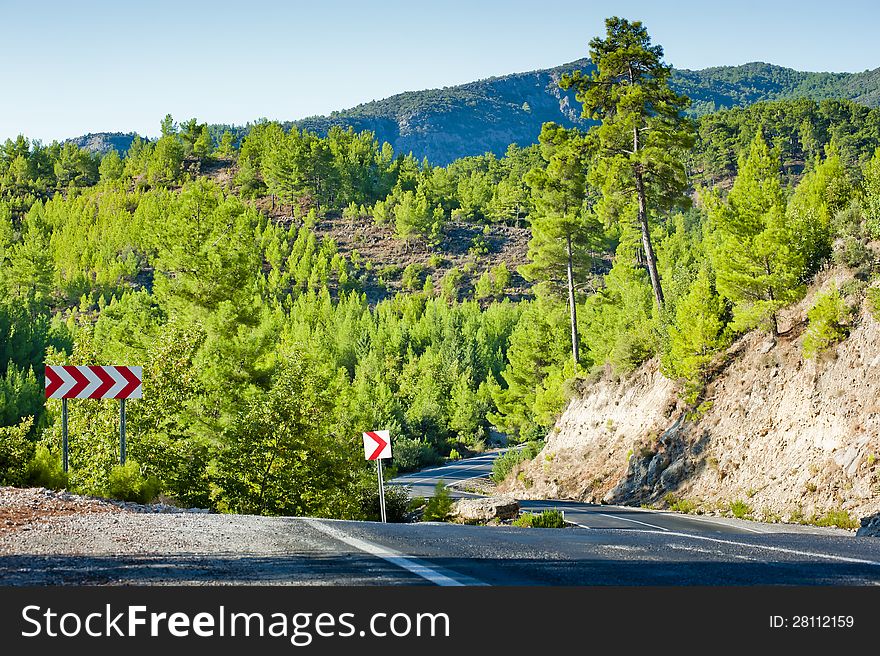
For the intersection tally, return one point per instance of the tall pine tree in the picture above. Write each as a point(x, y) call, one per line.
point(564, 234)
point(641, 133)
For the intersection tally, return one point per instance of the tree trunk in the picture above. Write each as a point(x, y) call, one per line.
point(643, 224)
point(646, 241)
point(571, 305)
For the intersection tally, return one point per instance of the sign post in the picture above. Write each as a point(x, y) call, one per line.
point(64, 434)
point(93, 382)
point(377, 446)
point(122, 431)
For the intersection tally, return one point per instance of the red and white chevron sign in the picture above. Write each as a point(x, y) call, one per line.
point(377, 445)
point(69, 382)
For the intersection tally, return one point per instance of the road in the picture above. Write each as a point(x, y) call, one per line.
point(457, 475)
point(609, 546)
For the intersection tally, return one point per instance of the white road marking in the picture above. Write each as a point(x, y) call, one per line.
point(426, 479)
point(767, 547)
point(465, 480)
point(697, 518)
point(634, 521)
point(709, 521)
point(409, 563)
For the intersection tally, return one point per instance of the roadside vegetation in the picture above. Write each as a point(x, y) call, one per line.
point(269, 343)
point(544, 519)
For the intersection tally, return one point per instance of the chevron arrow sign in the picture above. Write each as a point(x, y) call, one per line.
point(377, 444)
point(93, 382)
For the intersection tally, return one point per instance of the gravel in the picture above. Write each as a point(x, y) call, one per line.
point(58, 538)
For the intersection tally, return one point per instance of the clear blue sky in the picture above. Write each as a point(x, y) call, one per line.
point(67, 68)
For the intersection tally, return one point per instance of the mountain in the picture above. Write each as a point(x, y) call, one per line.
point(489, 115)
point(104, 142)
point(470, 119)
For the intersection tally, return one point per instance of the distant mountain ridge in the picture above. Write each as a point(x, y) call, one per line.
point(488, 115)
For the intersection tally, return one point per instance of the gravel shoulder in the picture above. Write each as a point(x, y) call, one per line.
point(56, 538)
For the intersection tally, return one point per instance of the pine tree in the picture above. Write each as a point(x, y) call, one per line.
point(698, 331)
point(642, 133)
point(757, 263)
point(563, 233)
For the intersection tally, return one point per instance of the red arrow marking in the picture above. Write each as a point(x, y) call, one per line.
point(382, 444)
point(81, 382)
point(107, 381)
point(133, 382)
point(53, 381)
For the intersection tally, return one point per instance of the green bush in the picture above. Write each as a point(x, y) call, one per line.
point(439, 506)
point(396, 503)
point(410, 454)
point(46, 470)
point(450, 284)
point(454, 455)
point(740, 509)
point(874, 302)
point(126, 483)
point(16, 451)
point(680, 505)
point(545, 519)
point(412, 276)
point(505, 463)
point(826, 327)
point(416, 503)
point(839, 518)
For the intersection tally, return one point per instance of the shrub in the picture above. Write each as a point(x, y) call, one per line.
point(396, 503)
point(826, 323)
point(46, 470)
point(16, 451)
point(501, 278)
point(484, 287)
point(854, 253)
point(505, 463)
point(478, 246)
point(410, 454)
point(454, 455)
point(874, 302)
point(416, 503)
point(839, 518)
point(680, 505)
point(740, 509)
point(439, 506)
point(412, 276)
point(127, 483)
point(450, 284)
point(545, 519)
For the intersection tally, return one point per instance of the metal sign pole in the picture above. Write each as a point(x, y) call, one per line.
point(122, 431)
point(64, 434)
point(381, 489)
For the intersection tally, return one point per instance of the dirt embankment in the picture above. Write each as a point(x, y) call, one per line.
point(789, 438)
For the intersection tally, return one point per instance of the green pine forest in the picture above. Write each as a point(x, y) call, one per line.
point(267, 348)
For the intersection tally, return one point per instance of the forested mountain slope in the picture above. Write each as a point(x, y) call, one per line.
point(488, 115)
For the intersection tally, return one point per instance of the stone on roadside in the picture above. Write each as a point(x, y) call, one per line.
point(485, 509)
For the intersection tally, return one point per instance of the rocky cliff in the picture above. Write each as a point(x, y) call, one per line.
point(778, 436)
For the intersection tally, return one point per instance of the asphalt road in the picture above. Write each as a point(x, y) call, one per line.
point(457, 475)
point(609, 546)
point(615, 545)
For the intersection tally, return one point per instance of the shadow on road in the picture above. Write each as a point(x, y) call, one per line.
point(363, 570)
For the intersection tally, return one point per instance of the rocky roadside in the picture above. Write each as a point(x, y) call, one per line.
point(22, 508)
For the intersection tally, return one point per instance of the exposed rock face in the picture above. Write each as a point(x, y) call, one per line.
point(485, 509)
point(103, 142)
point(870, 527)
point(791, 438)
